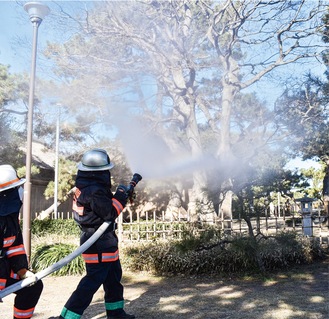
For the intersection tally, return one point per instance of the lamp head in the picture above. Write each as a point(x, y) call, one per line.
point(36, 10)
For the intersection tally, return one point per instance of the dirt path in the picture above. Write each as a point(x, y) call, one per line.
point(303, 293)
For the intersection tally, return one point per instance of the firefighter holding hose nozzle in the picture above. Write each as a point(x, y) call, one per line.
point(93, 204)
point(13, 258)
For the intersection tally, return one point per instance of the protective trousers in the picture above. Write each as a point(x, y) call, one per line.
point(12, 259)
point(107, 273)
point(26, 300)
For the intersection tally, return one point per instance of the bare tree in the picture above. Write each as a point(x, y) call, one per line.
point(170, 63)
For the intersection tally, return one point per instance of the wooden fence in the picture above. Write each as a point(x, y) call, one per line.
point(153, 226)
point(156, 226)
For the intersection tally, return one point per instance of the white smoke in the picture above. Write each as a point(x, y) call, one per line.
point(148, 154)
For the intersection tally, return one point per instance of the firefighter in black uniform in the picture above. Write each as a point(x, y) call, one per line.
point(13, 259)
point(93, 204)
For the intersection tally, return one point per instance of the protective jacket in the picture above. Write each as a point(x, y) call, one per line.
point(93, 201)
point(12, 255)
point(93, 204)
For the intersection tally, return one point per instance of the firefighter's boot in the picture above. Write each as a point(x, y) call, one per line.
point(121, 315)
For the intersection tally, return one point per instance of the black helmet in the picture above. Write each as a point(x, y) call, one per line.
point(95, 160)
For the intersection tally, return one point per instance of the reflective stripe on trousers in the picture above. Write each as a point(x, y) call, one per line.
point(23, 314)
point(102, 257)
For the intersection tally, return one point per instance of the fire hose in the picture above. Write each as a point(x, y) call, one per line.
point(58, 265)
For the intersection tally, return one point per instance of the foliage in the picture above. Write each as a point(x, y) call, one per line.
point(199, 251)
point(13, 89)
point(316, 177)
point(21, 172)
point(120, 174)
point(303, 110)
point(47, 255)
point(13, 95)
point(288, 248)
point(253, 196)
point(227, 256)
point(325, 57)
point(196, 235)
point(67, 171)
point(55, 226)
point(10, 152)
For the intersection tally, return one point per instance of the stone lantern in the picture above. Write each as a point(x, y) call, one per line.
point(306, 206)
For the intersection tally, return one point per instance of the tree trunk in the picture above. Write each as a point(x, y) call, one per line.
point(185, 103)
point(224, 153)
point(325, 191)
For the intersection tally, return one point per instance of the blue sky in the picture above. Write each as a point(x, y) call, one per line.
point(15, 24)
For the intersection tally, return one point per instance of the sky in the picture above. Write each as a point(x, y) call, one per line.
point(15, 24)
point(16, 27)
point(12, 25)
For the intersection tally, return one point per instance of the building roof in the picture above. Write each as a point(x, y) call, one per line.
point(42, 156)
point(305, 199)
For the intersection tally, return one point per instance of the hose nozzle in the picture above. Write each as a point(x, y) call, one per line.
point(134, 181)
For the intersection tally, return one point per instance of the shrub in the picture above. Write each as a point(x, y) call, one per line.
point(55, 226)
point(223, 255)
point(288, 248)
point(195, 236)
point(46, 255)
point(199, 251)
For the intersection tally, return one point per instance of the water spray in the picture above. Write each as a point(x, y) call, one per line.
point(58, 265)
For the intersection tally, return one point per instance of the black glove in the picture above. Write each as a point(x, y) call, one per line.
point(132, 196)
point(121, 194)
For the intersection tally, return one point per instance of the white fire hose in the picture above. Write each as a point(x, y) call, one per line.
point(45, 272)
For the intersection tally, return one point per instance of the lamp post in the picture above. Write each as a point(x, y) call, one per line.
point(37, 11)
point(57, 161)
